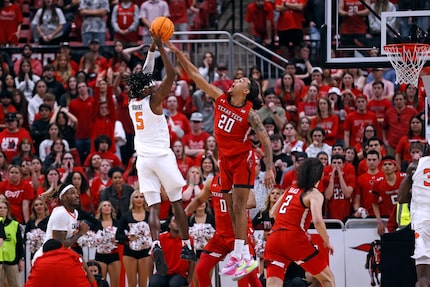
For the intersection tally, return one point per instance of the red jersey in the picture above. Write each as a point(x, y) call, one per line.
point(353, 24)
point(82, 111)
point(379, 107)
point(223, 223)
point(178, 10)
point(184, 165)
point(292, 214)
point(339, 206)
point(173, 247)
point(330, 126)
point(290, 178)
point(9, 142)
point(232, 127)
point(195, 141)
point(181, 120)
point(10, 18)
point(258, 17)
point(397, 124)
point(386, 195)
point(309, 108)
point(125, 16)
point(290, 19)
point(364, 188)
point(355, 123)
point(15, 195)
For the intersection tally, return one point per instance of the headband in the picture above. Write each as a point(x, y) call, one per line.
point(392, 161)
point(66, 189)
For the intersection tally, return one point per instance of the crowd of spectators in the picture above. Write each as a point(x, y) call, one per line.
point(68, 121)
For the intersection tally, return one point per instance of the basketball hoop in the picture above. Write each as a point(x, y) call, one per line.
point(407, 59)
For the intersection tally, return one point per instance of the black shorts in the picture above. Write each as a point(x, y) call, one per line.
point(136, 254)
point(107, 258)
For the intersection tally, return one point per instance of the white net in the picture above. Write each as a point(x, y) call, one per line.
point(408, 61)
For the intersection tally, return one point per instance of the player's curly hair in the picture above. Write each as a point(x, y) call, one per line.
point(137, 82)
point(254, 91)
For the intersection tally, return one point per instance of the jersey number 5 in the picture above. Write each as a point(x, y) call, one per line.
point(138, 119)
point(226, 123)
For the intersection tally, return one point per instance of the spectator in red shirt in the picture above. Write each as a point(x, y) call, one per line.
point(19, 193)
point(194, 141)
point(178, 118)
point(184, 162)
point(81, 108)
point(396, 122)
point(11, 136)
point(102, 145)
point(339, 187)
point(36, 64)
point(385, 191)
point(259, 16)
point(5, 106)
point(356, 121)
point(379, 104)
point(326, 120)
point(416, 133)
point(180, 272)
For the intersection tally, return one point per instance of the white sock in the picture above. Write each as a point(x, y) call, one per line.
point(245, 252)
point(187, 242)
point(238, 245)
point(155, 242)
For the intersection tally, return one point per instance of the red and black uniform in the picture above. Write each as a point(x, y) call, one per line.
point(292, 221)
point(222, 242)
point(236, 153)
point(385, 194)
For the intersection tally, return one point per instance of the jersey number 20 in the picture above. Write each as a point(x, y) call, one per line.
point(226, 123)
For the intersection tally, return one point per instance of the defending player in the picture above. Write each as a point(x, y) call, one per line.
point(222, 242)
point(294, 211)
point(234, 116)
point(156, 163)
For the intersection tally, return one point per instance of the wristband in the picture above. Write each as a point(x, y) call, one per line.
point(379, 221)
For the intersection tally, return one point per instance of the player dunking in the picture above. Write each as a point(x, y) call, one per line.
point(234, 115)
point(156, 163)
point(293, 213)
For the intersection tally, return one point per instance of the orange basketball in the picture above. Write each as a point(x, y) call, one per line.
point(163, 27)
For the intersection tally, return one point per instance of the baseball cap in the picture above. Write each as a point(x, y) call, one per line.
point(64, 44)
point(95, 41)
point(10, 117)
point(361, 96)
point(196, 117)
point(317, 69)
point(334, 90)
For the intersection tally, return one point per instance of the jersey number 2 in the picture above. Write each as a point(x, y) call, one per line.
point(138, 118)
point(283, 208)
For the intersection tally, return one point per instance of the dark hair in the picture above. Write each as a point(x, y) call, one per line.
point(95, 263)
point(309, 173)
point(46, 182)
point(21, 75)
point(137, 82)
point(102, 139)
point(84, 184)
point(318, 129)
point(338, 156)
point(423, 128)
point(378, 83)
point(254, 91)
point(375, 138)
point(373, 152)
point(52, 244)
point(214, 164)
point(115, 169)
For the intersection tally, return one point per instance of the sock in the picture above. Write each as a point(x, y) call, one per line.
point(238, 245)
point(245, 252)
point(187, 242)
point(155, 242)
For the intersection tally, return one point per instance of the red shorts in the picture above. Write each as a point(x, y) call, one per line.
point(237, 171)
point(219, 245)
point(299, 249)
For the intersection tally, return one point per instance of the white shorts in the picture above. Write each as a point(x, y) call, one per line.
point(422, 243)
point(156, 171)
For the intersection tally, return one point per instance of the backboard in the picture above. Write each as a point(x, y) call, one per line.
point(367, 51)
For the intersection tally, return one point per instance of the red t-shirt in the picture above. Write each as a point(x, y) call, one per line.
point(231, 127)
point(386, 195)
point(402, 147)
point(379, 107)
point(96, 188)
point(290, 19)
point(290, 178)
point(10, 18)
point(184, 165)
point(16, 194)
point(309, 108)
point(181, 120)
point(258, 17)
point(330, 126)
point(397, 124)
point(355, 123)
point(10, 142)
point(364, 188)
point(173, 247)
point(82, 111)
point(179, 10)
point(195, 141)
point(110, 156)
point(353, 24)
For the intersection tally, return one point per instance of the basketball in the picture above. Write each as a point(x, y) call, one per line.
point(163, 27)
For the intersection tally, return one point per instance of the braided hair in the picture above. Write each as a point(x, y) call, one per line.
point(137, 82)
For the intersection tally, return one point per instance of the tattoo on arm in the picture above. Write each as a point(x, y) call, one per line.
point(255, 122)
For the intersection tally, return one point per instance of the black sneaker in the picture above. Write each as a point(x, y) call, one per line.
point(188, 254)
point(160, 264)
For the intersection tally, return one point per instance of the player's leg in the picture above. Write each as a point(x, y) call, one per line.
point(204, 267)
point(325, 277)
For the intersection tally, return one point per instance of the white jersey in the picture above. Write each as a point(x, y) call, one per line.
point(62, 220)
point(420, 203)
point(151, 131)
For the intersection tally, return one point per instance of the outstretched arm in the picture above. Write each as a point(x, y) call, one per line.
point(166, 84)
point(194, 73)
